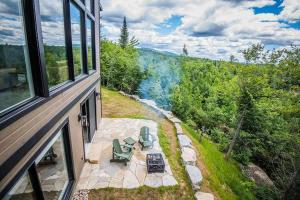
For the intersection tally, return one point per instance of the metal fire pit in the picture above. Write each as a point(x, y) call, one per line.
point(155, 163)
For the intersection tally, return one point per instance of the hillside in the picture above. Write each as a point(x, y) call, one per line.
point(251, 110)
point(221, 177)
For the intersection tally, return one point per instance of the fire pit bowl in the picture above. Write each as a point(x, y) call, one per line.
point(155, 163)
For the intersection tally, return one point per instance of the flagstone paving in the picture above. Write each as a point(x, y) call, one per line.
point(106, 174)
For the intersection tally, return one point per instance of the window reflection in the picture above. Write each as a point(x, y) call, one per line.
point(88, 5)
point(76, 39)
point(22, 190)
point(89, 43)
point(52, 169)
point(52, 20)
point(15, 74)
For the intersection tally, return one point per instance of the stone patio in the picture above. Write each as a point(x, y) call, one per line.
point(106, 174)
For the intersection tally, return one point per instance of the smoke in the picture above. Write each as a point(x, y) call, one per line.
point(164, 72)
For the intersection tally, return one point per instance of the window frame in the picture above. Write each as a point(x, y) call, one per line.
point(93, 44)
point(33, 31)
point(30, 166)
point(66, 31)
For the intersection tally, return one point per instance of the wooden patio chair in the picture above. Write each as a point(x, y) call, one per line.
point(145, 138)
point(120, 155)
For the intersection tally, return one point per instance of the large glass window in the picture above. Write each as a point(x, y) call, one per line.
point(52, 169)
point(52, 20)
point(89, 42)
point(15, 74)
point(76, 39)
point(22, 190)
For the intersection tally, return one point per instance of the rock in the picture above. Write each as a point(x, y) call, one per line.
point(194, 175)
point(204, 196)
point(179, 130)
point(123, 93)
point(135, 97)
point(258, 175)
point(175, 120)
point(169, 180)
point(188, 156)
point(167, 114)
point(184, 141)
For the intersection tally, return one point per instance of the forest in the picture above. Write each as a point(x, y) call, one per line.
point(250, 110)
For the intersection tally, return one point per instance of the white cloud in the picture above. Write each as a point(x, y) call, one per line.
point(214, 28)
point(291, 10)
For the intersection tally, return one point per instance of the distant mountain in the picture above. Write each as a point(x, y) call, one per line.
point(167, 53)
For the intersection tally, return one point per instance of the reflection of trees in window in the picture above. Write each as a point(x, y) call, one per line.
point(57, 68)
point(89, 43)
point(15, 71)
point(52, 20)
point(76, 39)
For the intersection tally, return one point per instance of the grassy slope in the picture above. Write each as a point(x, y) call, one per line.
point(221, 176)
point(116, 105)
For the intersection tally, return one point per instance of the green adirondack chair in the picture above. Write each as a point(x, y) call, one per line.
point(145, 138)
point(119, 155)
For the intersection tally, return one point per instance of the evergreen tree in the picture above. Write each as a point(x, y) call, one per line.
point(134, 42)
point(184, 50)
point(123, 41)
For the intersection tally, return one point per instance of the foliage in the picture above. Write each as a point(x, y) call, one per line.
point(216, 94)
point(119, 67)
point(123, 41)
point(224, 176)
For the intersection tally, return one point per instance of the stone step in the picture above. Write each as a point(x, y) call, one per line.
point(188, 156)
point(204, 196)
point(194, 175)
point(184, 141)
point(179, 130)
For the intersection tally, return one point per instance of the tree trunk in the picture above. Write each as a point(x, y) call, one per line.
point(236, 135)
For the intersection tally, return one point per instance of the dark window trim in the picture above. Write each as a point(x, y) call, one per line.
point(68, 38)
point(34, 180)
point(31, 167)
point(84, 41)
point(21, 110)
point(93, 43)
point(34, 39)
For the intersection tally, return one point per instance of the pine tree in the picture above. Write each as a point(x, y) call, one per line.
point(184, 50)
point(134, 42)
point(123, 41)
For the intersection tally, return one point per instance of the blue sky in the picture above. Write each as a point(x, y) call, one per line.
point(210, 28)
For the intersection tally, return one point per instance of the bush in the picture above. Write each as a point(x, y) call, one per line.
point(219, 137)
point(266, 193)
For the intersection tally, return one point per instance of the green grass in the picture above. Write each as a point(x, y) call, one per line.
point(225, 178)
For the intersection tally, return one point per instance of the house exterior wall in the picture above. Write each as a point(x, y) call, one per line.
point(15, 136)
